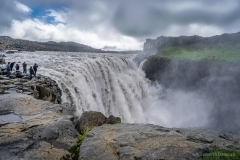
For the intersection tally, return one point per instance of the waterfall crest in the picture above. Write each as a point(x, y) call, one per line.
point(111, 84)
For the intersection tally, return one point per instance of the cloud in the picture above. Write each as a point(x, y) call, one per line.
point(8, 11)
point(22, 7)
point(34, 29)
point(151, 18)
point(114, 21)
point(59, 16)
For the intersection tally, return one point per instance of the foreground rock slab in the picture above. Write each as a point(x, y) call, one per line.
point(151, 142)
point(35, 129)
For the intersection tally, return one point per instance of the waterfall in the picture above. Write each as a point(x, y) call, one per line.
point(111, 84)
point(142, 63)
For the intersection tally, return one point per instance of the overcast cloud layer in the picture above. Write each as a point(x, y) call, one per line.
point(122, 24)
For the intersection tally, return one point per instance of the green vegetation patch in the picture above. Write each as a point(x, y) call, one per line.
point(221, 154)
point(118, 122)
point(225, 51)
point(74, 150)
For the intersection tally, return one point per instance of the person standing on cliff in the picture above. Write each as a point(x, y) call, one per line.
point(35, 69)
point(8, 68)
point(17, 67)
point(24, 67)
point(31, 71)
point(11, 65)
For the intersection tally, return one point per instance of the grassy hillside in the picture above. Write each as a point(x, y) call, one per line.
point(222, 51)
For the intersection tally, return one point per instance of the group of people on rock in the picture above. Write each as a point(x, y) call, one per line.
point(32, 69)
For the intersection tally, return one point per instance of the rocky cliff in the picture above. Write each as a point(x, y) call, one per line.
point(156, 46)
point(8, 43)
point(216, 82)
point(40, 87)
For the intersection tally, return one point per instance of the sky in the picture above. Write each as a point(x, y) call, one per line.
point(116, 24)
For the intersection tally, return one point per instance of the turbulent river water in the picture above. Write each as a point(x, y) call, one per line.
point(113, 84)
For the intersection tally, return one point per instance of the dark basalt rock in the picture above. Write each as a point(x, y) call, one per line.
point(90, 119)
point(113, 120)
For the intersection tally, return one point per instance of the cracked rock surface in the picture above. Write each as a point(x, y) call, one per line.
point(152, 142)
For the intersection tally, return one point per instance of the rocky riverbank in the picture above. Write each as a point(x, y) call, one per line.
point(40, 87)
point(33, 125)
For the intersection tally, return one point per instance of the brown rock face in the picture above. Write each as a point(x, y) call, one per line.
point(46, 89)
point(39, 87)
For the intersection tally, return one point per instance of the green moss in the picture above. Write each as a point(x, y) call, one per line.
point(74, 150)
point(221, 154)
point(155, 57)
point(117, 122)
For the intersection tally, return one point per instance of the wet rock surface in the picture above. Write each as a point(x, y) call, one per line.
point(43, 131)
point(146, 141)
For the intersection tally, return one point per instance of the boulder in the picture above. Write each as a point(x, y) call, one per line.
point(113, 120)
point(90, 119)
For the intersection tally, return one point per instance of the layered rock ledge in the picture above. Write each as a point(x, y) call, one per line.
point(40, 87)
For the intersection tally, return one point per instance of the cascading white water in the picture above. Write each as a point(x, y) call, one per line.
point(108, 83)
point(142, 63)
point(112, 84)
